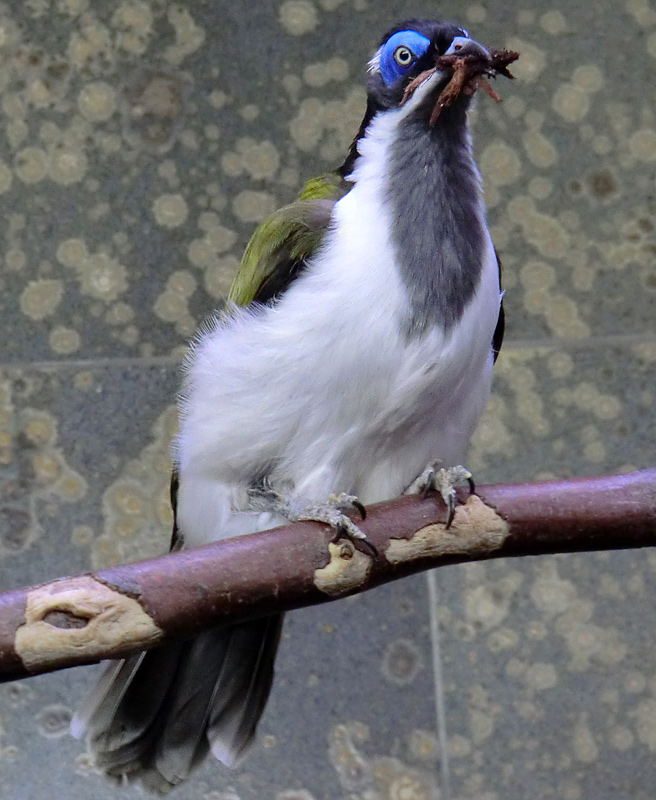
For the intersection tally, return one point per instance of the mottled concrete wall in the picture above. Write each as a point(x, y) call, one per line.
point(140, 142)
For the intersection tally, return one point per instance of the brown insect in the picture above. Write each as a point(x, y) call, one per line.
point(469, 74)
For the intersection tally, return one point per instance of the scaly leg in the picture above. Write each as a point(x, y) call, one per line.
point(333, 511)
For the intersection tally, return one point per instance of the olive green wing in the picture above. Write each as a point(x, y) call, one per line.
point(276, 254)
point(281, 246)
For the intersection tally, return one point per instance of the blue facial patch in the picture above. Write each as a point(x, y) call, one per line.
point(390, 68)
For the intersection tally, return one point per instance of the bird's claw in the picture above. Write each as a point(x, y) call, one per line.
point(351, 532)
point(435, 477)
point(347, 502)
point(333, 512)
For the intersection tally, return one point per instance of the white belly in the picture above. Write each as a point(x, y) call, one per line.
point(324, 391)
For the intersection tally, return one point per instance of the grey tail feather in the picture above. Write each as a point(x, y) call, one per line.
point(154, 716)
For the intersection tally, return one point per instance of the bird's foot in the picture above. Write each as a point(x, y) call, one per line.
point(443, 481)
point(333, 511)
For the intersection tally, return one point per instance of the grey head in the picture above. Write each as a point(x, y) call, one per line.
point(433, 186)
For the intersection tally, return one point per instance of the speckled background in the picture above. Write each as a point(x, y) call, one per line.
point(140, 142)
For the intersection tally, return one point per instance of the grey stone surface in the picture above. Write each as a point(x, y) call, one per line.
point(141, 141)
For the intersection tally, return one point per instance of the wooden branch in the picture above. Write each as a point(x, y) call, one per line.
point(113, 612)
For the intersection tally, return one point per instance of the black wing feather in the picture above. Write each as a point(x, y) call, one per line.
point(497, 338)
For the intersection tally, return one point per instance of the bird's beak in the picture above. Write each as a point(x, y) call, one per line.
point(461, 46)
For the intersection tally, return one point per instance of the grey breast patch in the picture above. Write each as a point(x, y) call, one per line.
point(437, 229)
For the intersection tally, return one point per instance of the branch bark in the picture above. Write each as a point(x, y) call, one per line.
point(113, 612)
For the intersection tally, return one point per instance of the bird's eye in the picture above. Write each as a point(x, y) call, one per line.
point(403, 56)
point(398, 54)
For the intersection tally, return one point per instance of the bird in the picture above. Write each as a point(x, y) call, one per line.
point(355, 352)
